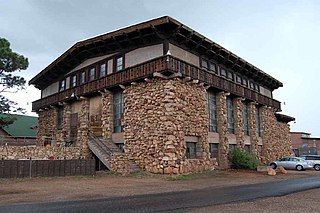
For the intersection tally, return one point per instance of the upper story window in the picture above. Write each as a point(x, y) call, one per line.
point(73, 81)
point(208, 65)
point(256, 87)
point(82, 77)
point(119, 64)
point(92, 74)
point(251, 85)
point(62, 85)
point(238, 79)
point(245, 82)
point(212, 111)
point(102, 70)
point(204, 64)
point(230, 115)
point(230, 75)
point(223, 72)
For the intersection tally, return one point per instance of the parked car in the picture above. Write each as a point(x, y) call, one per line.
point(314, 160)
point(291, 163)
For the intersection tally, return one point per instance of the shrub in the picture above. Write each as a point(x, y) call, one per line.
point(243, 160)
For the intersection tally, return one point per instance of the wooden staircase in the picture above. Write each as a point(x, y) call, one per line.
point(105, 149)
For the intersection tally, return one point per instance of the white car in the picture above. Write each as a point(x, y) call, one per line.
point(291, 163)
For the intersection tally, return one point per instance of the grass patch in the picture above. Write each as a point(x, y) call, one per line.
point(192, 176)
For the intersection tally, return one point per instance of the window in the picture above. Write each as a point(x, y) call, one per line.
point(214, 150)
point(232, 147)
point(213, 67)
point(223, 72)
point(230, 75)
point(62, 85)
point(258, 125)
point(212, 111)
point(191, 150)
point(92, 74)
point(247, 148)
point(245, 82)
point(251, 85)
point(204, 64)
point(256, 87)
point(260, 149)
point(119, 64)
point(245, 119)
point(60, 117)
point(102, 71)
point(82, 77)
point(74, 81)
point(230, 116)
point(239, 79)
point(120, 146)
point(117, 111)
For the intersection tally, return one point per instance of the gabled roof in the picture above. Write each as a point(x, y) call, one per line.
point(23, 126)
point(153, 30)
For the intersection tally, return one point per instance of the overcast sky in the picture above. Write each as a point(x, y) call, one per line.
point(280, 37)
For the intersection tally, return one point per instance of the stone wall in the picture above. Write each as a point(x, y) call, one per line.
point(107, 114)
point(222, 130)
point(40, 153)
point(158, 115)
point(83, 130)
point(238, 122)
point(47, 122)
point(275, 136)
point(252, 128)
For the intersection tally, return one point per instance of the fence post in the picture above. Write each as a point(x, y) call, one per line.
point(30, 167)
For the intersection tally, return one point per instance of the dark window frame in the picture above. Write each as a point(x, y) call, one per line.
point(60, 112)
point(191, 150)
point(118, 110)
point(223, 72)
point(258, 121)
point(117, 67)
point(72, 82)
point(214, 150)
point(211, 105)
point(91, 75)
point(82, 78)
point(230, 115)
point(62, 85)
point(245, 119)
point(103, 73)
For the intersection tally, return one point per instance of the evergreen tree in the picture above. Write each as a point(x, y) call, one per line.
point(10, 62)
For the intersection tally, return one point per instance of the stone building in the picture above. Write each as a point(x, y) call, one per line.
point(160, 96)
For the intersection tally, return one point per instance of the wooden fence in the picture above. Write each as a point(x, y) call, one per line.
point(46, 168)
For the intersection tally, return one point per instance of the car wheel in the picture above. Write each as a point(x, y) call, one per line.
point(273, 166)
point(299, 167)
point(317, 167)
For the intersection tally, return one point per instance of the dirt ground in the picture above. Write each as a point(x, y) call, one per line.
point(105, 185)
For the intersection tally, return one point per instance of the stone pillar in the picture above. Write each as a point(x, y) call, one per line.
point(252, 128)
point(275, 137)
point(238, 122)
point(47, 122)
point(107, 114)
point(160, 116)
point(222, 130)
point(83, 130)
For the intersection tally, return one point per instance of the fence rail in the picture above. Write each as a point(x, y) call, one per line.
point(46, 168)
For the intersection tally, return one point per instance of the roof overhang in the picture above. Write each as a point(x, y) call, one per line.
point(284, 118)
point(164, 28)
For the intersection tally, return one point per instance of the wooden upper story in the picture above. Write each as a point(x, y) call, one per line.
point(132, 54)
